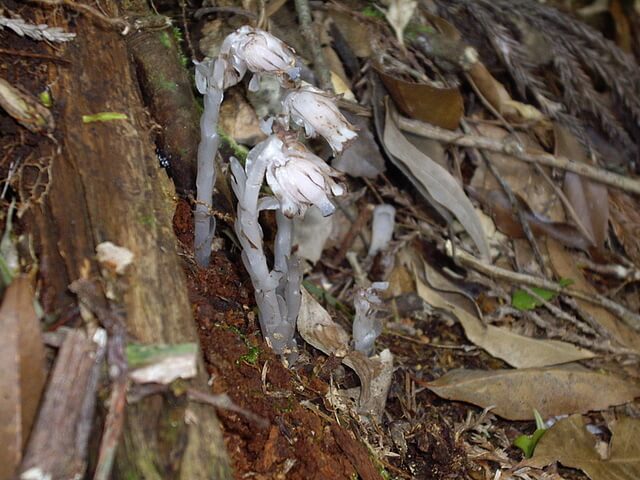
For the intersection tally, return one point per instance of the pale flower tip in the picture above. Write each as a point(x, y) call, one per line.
point(259, 52)
point(317, 112)
point(326, 208)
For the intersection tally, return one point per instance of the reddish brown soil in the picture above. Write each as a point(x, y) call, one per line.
point(297, 443)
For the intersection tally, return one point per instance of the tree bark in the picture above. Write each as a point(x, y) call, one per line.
point(106, 185)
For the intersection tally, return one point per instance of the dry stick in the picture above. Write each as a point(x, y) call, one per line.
point(526, 228)
point(319, 62)
point(89, 11)
point(563, 198)
point(577, 339)
point(223, 401)
point(467, 260)
point(559, 313)
point(492, 145)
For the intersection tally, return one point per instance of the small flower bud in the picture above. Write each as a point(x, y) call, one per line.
point(317, 112)
point(259, 52)
point(300, 179)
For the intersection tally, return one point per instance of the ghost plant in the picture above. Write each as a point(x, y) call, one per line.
point(246, 49)
point(296, 177)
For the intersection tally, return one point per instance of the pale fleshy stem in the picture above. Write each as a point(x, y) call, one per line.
point(278, 332)
point(205, 223)
point(289, 265)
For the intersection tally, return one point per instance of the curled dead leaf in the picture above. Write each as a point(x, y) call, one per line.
point(439, 106)
point(514, 394)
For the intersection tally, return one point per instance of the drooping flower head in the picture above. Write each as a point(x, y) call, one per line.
point(259, 52)
point(317, 112)
point(299, 179)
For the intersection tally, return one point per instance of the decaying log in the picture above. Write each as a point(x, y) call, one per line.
point(107, 186)
point(168, 92)
point(58, 445)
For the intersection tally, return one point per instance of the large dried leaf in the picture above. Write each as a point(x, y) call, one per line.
point(499, 98)
point(625, 220)
point(439, 183)
point(517, 350)
point(23, 367)
point(565, 266)
point(589, 199)
point(439, 106)
point(497, 204)
point(553, 391)
point(570, 443)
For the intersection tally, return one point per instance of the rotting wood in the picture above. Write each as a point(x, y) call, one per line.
point(66, 412)
point(107, 186)
point(168, 92)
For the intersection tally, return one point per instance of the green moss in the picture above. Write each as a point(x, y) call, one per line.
point(373, 12)
point(239, 151)
point(159, 82)
point(165, 40)
point(147, 220)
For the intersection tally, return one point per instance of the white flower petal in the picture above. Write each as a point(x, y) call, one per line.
point(318, 113)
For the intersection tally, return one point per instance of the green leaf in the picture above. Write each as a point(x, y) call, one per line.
point(372, 12)
point(527, 443)
point(104, 117)
point(139, 355)
point(45, 98)
point(523, 301)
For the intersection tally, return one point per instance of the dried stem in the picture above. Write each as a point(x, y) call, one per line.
point(467, 260)
point(308, 33)
point(515, 206)
point(542, 158)
point(88, 10)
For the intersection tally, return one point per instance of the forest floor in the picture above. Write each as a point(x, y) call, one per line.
point(549, 325)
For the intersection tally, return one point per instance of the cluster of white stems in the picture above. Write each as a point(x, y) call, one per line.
point(297, 178)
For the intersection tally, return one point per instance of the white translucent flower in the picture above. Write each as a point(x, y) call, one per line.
point(259, 52)
point(215, 73)
point(300, 179)
point(317, 112)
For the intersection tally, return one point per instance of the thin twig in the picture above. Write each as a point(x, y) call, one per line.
point(526, 228)
point(600, 346)
point(559, 313)
point(224, 402)
point(485, 143)
point(308, 33)
point(467, 260)
point(42, 56)
point(503, 121)
point(88, 10)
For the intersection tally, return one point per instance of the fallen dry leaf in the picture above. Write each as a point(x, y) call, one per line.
point(318, 329)
point(22, 381)
point(514, 394)
point(589, 199)
point(442, 107)
point(517, 350)
point(565, 266)
point(570, 443)
point(625, 220)
point(499, 98)
point(438, 182)
point(497, 204)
